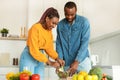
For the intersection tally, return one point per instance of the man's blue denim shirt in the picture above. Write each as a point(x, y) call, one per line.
point(72, 40)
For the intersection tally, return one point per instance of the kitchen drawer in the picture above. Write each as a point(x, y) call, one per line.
point(8, 69)
point(52, 74)
point(2, 77)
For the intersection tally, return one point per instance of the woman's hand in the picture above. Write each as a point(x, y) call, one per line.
point(53, 64)
point(60, 61)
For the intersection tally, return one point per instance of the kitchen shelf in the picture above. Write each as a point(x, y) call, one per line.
point(17, 66)
point(13, 38)
point(9, 66)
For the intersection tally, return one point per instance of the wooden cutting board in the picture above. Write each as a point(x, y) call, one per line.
point(4, 59)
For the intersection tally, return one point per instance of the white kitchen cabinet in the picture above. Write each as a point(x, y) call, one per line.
point(9, 48)
point(52, 74)
point(13, 47)
point(46, 75)
point(6, 69)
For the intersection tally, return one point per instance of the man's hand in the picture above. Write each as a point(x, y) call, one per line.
point(73, 68)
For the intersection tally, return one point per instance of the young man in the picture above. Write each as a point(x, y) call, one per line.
point(73, 33)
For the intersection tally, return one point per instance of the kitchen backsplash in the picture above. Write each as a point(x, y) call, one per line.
point(10, 49)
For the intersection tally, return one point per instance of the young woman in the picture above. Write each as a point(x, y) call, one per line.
point(40, 40)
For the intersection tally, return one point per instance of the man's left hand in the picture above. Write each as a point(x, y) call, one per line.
point(73, 68)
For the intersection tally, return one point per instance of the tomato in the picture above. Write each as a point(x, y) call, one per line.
point(24, 76)
point(35, 77)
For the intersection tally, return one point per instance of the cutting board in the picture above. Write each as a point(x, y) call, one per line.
point(4, 59)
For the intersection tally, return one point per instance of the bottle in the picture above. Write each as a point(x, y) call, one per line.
point(16, 61)
point(13, 61)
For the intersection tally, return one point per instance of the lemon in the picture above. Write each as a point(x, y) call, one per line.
point(94, 77)
point(27, 71)
point(80, 77)
point(75, 77)
point(10, 74)
point(84, 73)
point(88, 77)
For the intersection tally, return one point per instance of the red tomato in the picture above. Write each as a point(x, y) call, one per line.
point(24, 76)
point(35, 77)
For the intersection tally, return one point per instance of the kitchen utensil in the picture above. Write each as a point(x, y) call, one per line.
point(62, 74)
point(95, 59)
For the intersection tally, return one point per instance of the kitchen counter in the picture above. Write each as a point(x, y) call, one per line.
point(13, 38)
point(106, 69)
point(103, 66)
point(113, 71)
point(49, 72)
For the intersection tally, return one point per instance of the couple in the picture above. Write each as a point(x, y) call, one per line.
point(73, 34)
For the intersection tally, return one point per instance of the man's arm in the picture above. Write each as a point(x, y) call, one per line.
point(83, 50)
point(58, 44)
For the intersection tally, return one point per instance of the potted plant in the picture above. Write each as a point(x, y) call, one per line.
point(4, 32)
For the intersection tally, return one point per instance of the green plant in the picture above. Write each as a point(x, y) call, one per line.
point(4, 30)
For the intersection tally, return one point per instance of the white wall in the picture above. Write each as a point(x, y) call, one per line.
point(104, 16)
point(37, 8)
point(108, 50)
point(13, 15)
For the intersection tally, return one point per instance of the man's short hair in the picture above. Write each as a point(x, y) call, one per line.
point(70, 4)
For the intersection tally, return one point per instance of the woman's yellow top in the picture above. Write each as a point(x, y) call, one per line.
point(41, 39)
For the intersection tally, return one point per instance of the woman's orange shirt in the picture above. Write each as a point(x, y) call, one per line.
point(41, 39)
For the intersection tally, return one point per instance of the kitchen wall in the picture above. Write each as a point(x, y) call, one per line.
point(36, 9)
point(107, 49)
point(104, 17)
point(13, 15)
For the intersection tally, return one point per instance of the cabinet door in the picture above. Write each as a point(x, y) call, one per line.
point(52, 74)
point(4, 71)
point(46, 75)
